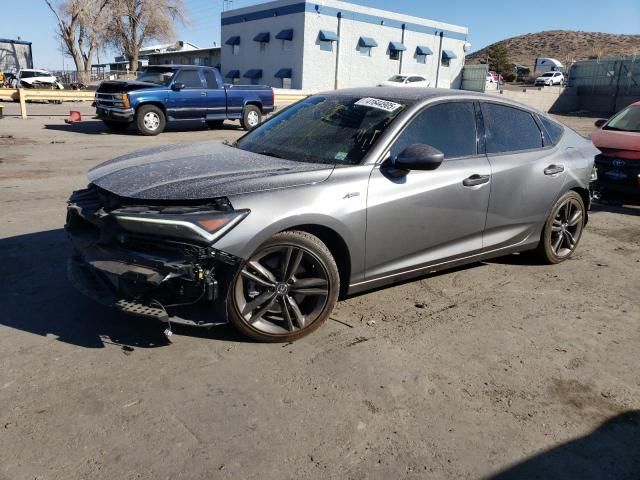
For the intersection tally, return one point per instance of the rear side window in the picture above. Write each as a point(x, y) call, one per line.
point(449, 127)
point(510, 129)
point(210, 78)
point(190, 78)
point(552, 130)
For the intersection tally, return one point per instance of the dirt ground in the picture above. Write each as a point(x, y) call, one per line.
point(504, 369)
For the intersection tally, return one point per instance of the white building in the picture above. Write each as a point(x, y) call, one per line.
point(326, 44)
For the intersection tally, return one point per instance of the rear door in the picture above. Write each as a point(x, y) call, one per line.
point(188, 103)
point(216, 98)
point(526, 175)
point(426, 217)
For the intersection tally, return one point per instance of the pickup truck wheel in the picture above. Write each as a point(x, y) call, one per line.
point(150, 120)
point(251, 117)
point(116, 126)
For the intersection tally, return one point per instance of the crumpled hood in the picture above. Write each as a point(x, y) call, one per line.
point(201, 171)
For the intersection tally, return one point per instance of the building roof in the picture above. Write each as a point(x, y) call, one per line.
point(195, 50)
point(8, 40)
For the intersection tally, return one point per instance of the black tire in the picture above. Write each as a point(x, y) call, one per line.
point(563, 229)
point(251, 117)
point(116, 126)
point(278, 308)
point(150, 120)
point(215, 123)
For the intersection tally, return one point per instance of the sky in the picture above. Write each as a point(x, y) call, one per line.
point(488, 20)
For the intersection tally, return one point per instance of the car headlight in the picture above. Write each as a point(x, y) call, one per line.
point(207, 227)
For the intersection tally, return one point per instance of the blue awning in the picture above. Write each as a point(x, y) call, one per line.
point(449, 54)
point(233, 74)
point(235, 40)
point(328, 36)
point(285, 34)
point(253, 73)
point(367, 42)
point(423, 51)
point(283, 73)
point(263, 37)
point(397, 46)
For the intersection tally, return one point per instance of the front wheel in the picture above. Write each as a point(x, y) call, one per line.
point(150, 120)
point(563, 229)
point(251, 117)
point(286, 290)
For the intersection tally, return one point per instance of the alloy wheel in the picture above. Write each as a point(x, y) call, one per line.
point(282, 289)
point(566, 228)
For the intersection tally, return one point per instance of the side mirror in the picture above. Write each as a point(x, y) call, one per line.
point(418, 157)
point(177, 86)
point(601, 122)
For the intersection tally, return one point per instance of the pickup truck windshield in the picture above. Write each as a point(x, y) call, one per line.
point(158, 75)
point(628, 120)
point(319, 129)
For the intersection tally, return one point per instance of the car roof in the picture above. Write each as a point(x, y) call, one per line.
point(414, 95)
point(177, 66)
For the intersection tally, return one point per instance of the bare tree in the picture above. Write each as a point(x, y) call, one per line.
point(81, 26)
point(136, 21)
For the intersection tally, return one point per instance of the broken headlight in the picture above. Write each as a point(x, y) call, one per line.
point(207, 227)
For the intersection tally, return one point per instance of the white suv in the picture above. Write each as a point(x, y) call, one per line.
point(31, 78)
point(550, 78)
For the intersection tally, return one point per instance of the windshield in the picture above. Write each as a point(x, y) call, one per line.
point(398, 78)
point(548, 75)
point(323, 129)
point(628, 120)
point(159, 76)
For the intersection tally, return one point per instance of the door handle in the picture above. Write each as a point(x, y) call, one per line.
point(553, 169)
point(203, 94)
point(476, 179)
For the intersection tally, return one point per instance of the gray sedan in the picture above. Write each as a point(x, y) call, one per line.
point(340, 193)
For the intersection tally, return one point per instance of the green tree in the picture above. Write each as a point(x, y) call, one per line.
point(498, 58)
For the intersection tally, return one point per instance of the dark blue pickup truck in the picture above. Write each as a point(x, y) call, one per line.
point(179, 92)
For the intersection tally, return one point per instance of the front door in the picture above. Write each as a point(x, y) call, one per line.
point(423, 218)
point(188, 102)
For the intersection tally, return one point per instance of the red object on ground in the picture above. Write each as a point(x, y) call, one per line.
point(74, 117)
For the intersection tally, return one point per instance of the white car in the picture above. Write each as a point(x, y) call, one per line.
point(406, 80)
point(550, 78)
point(32, 78)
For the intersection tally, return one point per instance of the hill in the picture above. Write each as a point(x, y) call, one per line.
point(563, 45)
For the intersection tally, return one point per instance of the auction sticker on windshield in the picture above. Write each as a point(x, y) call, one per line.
point(385, 105)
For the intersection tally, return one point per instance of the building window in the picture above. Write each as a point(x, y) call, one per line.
point(235, 49)
point(421, 58)
point(366, 51)
point(446, 61)
point(285, 75)
point(287, 45)
point(394, 54)
point(263, 47)
point(235, 81)
point(326, 46)
point(286, 83)
point(447, 56)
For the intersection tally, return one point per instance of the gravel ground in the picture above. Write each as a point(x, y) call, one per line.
point(504, 369)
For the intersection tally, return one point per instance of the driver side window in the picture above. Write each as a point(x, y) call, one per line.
point(450, 127)
point(190, 79)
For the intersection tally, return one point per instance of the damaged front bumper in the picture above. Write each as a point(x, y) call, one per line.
point(166, 279)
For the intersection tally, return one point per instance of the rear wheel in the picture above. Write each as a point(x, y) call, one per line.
point(286, 290)
point(116, 126)
point(251, 117)
point(150, 120)
point(563, 229)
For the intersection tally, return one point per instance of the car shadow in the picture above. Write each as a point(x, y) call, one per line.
point(96, 127)
point(611, 451)
point(36, 297)
point(621, 207)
